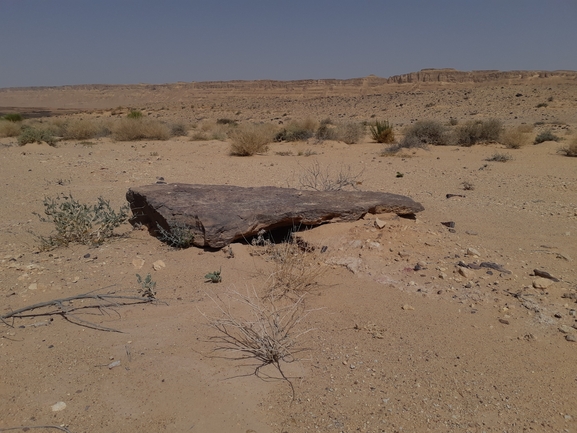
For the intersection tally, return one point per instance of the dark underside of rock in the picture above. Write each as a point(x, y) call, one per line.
point(220, 214)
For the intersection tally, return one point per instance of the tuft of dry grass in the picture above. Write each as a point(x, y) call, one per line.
point(131, 129)
point(296, 268)
point(514, 138)
point(248, 140)
point(500, 157)
point(9, 128)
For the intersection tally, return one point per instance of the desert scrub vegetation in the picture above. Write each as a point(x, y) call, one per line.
point(139, 128)
point(78, 222)
point(250, 139)
point(425, 132)
point(179, 235)
point(9, 128)
point(478, 131)
point(570, 149)
point(36, 134)
point(350, 133)
point(81, 129)
point(12, 117)
point(514, 138)
point(297, 131)
point(382, 132)
point(546, 135)
point(135, 114)
point(270, 334)
point(318, 178)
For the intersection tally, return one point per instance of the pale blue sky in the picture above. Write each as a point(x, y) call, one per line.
point(59, 42)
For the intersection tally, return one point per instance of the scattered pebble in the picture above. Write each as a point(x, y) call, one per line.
point(473, 252)
point(407, 307)
point(571, 337)
point(566, 329)
point(158, 265)
point(504, 321)
point(58, 406)
point(542, 283)
point(380, 223)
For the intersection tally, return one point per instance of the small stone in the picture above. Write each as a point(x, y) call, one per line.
point(443, 276)
point(571, 337)
point(76, 279)
point(466, 272)
point(504, 321)
point(542, 283)
point(33, 286)
point(138, 263)
point(352, 366)
point(380, 223)
point(408, 307)
point(473, 252)
point(158, 265)
point(566, 329)
point(58, 406)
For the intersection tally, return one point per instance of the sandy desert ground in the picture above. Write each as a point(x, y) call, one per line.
point(401, 338)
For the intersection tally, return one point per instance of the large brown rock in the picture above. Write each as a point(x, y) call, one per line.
point(220, 214)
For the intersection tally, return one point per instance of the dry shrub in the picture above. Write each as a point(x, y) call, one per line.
point(525, 128)
point(265, 330)
point(514, 138)
point(546, 135)
point(425, 132)
point(248, 140)
point(9, 128)
point(199, 136)
point(80, 129)
point(318, 178)
point(571, 149)
point(350, 133)
point(479, 131)
point(297, 131)
point(296, 268)
point(129, 129)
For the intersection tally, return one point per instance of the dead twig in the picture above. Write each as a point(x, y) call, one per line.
point(26, 427)
point(65, 308)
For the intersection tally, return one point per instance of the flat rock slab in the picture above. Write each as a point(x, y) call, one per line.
point(220, 214)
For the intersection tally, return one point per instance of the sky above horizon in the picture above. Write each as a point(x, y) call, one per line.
point(67, 42)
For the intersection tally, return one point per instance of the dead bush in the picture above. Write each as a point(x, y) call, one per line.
point(514, 138)
point(350, 133)
point(80, 129)
point(140, 128)
point(318, 178)
point(248, 140)
point(264, 330)
point(571, 149)
point(9, 128)
point(300, 130)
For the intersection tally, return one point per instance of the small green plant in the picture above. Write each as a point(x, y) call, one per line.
point(546, 136)
point(500, 157)
point(78, 222)
point(13, 117)
point(134, 114)
point(213, 277)
point(382, 132)
point(179, 235)
point(147, 286)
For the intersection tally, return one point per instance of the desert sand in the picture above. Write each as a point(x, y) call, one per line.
point(400, 337)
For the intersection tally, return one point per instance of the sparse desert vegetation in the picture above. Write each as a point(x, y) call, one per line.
point(378, 285)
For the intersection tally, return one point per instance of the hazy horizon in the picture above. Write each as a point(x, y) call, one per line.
point(75, 42)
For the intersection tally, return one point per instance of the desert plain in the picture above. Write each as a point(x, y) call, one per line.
point(399, 335)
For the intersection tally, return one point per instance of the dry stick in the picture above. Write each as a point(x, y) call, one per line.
point(66, 313)
point(64, 429)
